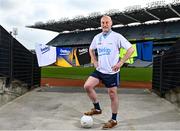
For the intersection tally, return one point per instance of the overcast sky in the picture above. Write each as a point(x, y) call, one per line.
point(20, 13)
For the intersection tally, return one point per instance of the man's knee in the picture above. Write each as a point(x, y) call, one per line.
point(112, 94)
point(87, 87)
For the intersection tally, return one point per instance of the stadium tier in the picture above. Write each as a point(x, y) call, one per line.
point(159, 13)
point(163, 30)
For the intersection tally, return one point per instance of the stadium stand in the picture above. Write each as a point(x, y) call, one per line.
point(140, 15)
point(172, 29)
point(140, 32)
point(77, 38)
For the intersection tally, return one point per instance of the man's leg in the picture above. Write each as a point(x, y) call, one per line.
point(114, 100)
point(114, 107)
point(89, 86)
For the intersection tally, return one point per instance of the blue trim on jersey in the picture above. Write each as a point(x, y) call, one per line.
point(105, 34)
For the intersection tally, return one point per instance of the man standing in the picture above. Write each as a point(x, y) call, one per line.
point(108, 44)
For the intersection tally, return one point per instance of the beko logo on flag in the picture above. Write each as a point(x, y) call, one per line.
point(64, 52)
point(46, 55)
point(83, 51)
point(45, 49)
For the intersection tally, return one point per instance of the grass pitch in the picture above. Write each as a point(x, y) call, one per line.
point(127, 74)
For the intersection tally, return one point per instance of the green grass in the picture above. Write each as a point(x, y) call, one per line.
point(127, 74)
point(136, 74)
point(66, 72)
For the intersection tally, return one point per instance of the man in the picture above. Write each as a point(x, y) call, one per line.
point(107, 67)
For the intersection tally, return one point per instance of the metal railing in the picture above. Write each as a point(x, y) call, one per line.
point(166, 70)
point(16, 62)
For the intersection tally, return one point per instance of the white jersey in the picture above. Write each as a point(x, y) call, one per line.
point(108, 50)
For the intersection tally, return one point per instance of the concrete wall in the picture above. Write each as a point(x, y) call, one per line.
point(9, 93)
point(173, 96)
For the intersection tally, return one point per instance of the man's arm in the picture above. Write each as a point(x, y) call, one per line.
point(128, 54)
point(93, 57)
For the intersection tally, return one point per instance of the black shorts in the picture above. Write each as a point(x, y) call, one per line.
point(109, 80)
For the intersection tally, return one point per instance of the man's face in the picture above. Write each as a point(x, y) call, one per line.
point(106, 24)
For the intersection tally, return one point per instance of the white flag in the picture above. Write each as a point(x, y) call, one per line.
point(46, 55)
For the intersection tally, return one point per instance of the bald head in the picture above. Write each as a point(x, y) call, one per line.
point(106, 17)
point(106, 23)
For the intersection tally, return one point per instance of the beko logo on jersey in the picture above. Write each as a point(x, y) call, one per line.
point(83, 51)
point(103, 51)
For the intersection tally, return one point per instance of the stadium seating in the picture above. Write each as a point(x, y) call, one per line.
point(139, 32)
